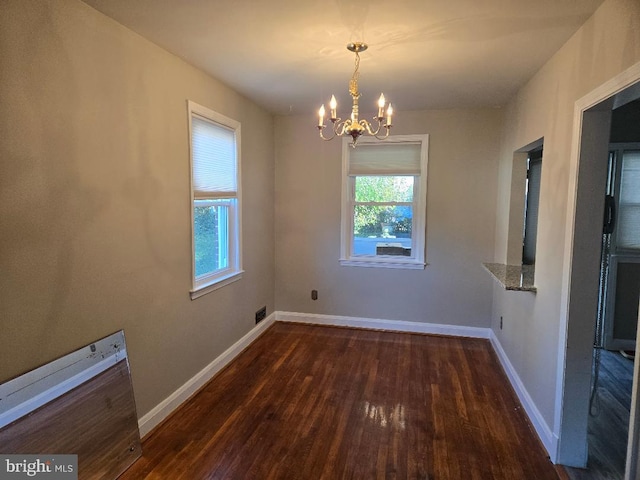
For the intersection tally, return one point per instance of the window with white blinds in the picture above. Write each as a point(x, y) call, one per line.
point(215, 198)
point(384, 202)
point(628, 224)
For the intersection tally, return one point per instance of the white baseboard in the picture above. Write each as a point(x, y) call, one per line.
point(382, 324)
point(549, 440)
point(161, 411)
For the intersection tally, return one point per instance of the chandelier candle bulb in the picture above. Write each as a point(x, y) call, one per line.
point(389, 113)
point(381, 102)
point(321, 115)
point(333, 105)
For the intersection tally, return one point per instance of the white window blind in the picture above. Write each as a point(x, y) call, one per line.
point(628, 230)
point(385, 159)
point(214, 160)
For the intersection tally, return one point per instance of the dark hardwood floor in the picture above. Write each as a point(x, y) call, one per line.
point(608, 426)
point(312, 402)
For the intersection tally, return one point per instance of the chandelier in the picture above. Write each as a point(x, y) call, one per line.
point(353, 126)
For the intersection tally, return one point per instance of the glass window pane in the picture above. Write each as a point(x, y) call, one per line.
point(532, 202)
point(384, 189)
point(628, 229)
point(211, 236)
point(382, 230)
point(630, 178)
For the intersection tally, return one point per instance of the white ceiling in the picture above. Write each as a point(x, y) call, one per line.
point(290, 55)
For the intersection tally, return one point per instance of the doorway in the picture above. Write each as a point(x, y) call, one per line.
point(592, 137)
point(616, 325)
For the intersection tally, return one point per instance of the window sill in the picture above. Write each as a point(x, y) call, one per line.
point(518, 278)
point(216, 284)
point(413, 265)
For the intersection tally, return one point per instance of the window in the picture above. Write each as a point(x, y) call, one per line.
point(628, 225)
point(384, 202)
point(215, 198)
point(532, 200)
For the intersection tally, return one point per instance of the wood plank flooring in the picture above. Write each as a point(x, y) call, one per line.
point(312, 402)
point(608, 427)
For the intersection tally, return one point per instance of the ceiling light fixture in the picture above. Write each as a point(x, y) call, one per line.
point(353, 126)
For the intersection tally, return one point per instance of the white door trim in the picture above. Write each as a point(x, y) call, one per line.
point(565, 380)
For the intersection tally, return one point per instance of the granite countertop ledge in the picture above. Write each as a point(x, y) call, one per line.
point(513, 277)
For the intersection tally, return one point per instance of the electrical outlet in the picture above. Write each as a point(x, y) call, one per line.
point(261, 314)
point(314, 294)
point(500, 322)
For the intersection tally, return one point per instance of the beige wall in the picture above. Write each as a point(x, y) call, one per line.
point(606, 45)
point(94, 199)
point(453, 289)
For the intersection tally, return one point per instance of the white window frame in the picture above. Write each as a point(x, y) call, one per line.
point(233, 272)
point(418, 237)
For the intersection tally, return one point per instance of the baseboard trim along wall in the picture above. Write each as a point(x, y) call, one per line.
point(549, 440)
point(161, 411)
point(383, 324)
point(153, 418)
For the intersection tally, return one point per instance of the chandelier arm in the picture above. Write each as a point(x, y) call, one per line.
point(341, 127)
point(326, 138)
point(367, 125)
point(322, 127)
point(388, 129)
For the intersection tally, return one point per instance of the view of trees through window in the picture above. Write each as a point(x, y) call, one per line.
point(208, 219)
point(383, 210)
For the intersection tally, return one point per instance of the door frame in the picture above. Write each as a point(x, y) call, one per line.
point(573, 381)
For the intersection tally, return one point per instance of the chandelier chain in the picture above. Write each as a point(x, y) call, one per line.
point(353, 84)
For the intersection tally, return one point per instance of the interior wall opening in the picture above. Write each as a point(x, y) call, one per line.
point(603, 421)
point(616, 323)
